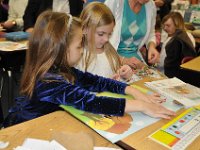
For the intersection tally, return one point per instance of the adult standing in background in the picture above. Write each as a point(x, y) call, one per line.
point(15, 15)
point(135, 27)
point(36, 7)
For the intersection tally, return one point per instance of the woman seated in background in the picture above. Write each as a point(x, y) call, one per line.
point(15, 15)
point(178, 45)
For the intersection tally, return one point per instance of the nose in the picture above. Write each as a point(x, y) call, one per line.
point(106, 38)
point(164, 28)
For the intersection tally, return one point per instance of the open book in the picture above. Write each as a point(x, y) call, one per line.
point(178, 90)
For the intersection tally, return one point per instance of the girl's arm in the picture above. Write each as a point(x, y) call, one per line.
point(96, 83)
point(99, 84)
point(59, 91)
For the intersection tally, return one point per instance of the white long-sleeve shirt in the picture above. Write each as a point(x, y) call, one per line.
point(99, 66)
point(16, 12)
point(117, 7)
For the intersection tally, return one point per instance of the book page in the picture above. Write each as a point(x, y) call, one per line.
point(184, 93)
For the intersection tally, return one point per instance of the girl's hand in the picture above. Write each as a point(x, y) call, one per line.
point(153, 98)
point(153, 110)
point(125, 72)
point(157, 111)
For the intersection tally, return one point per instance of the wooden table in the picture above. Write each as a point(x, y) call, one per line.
point(140, 141)
point(193, 64)
point(191, 71)
point(42, 128)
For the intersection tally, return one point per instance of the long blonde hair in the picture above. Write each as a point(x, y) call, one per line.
point(94, 15)
point(48, 47)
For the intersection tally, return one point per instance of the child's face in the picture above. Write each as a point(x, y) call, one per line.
point(169, 27)
point(102, 35)
point(75, 49)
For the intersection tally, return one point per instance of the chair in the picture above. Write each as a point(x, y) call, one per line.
point(10, 74)
point(1, 87)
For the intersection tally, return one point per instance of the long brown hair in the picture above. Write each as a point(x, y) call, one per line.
point(48, 47)
point(94, 15)
point(177, 20)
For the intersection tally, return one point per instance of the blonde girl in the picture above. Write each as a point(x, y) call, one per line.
point(99, 55)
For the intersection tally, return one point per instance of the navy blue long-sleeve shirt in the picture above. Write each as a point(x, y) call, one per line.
point(53, 90)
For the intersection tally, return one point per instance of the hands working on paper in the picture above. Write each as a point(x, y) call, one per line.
point(157, 111)
point(124, 73)
point(148, 104)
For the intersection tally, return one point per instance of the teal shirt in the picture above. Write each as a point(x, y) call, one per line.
point(133, 30)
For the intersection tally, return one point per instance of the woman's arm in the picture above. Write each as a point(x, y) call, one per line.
point(153, 55)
